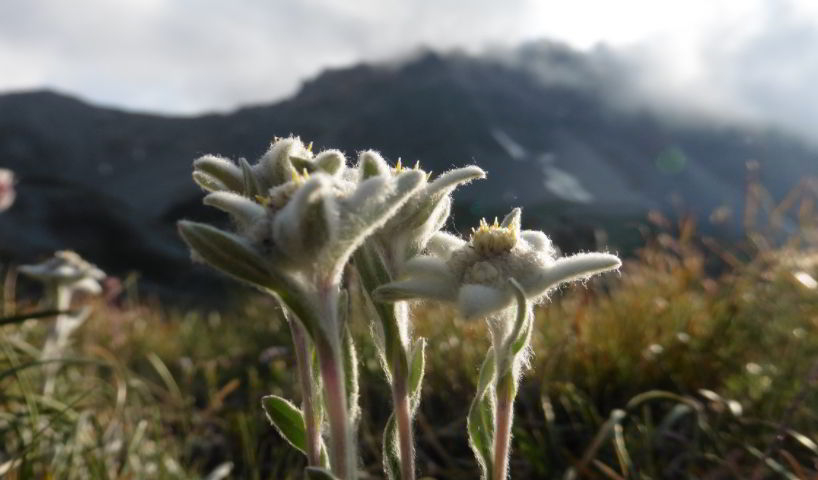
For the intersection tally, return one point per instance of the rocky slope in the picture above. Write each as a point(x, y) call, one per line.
point(111, 183)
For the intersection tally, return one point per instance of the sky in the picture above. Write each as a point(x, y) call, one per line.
point(752, 58)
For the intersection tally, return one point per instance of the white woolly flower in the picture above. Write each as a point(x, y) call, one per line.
point(67, 269)
point(284, 158)
point(475, 274)
point(294, 235)
point(63, 275)
point(406, 233)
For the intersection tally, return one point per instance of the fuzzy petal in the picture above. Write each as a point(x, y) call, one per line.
point(370, 207)
point(539, 242)
point(417, 289)
point(423, 211)
point(87, 285)
point(250, 183)
point(371, 164)
point(480, 300)
point(244, 210)
point(568, 269)
point(209, 183)
point(301, 164)
point(275, 167)
point(446, 182)
point(427, 266)
point(65, 267)
point(512, 219)
point(305, 224)
point(227, 252)
point(437, 219)
point(377, 199)
point(220, 169)
point(331, 161)
point(442, 244)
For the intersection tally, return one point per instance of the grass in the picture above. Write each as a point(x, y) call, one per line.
point(698, 362)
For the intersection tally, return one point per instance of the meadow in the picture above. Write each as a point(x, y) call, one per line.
point(698, 360)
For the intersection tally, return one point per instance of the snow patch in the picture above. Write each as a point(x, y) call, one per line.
point(561, 183)
point(512, 148)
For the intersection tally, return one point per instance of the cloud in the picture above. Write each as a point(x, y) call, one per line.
point(759, 67)
point(193, 55)
point(750, 59)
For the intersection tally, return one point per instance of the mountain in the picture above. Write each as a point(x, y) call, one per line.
point(545, 124)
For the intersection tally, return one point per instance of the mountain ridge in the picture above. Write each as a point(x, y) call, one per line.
point(565, 153)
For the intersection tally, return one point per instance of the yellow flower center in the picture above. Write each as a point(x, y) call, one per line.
point(489, 240)
point(400, 168)
point(300, 178)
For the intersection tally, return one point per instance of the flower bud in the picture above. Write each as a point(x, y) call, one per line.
point(308, 222)
point(275, 167)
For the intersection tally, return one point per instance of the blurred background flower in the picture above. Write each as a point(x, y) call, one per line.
point(7, 192)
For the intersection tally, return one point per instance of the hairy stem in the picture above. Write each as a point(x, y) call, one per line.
point(341, 454)
point(328, 344)
point(406, 449)
point(302, 358)
point(57, 337)
point(504, 416)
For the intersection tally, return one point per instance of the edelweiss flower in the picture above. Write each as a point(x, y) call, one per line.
point(63, 275)
point(68, 270)
point(475, 274)
point(406, 233)
point(295, 230)
point(285, 157)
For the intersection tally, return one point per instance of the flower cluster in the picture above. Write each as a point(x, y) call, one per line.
point(298, 218)
point(302, 220)
point(299, 212)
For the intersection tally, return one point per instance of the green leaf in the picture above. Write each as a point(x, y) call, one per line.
point(317, 473)
point(391, 457)
point(480, 421)
point(287, 419)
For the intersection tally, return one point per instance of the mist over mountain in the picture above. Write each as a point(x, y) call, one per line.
point(559, 132)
